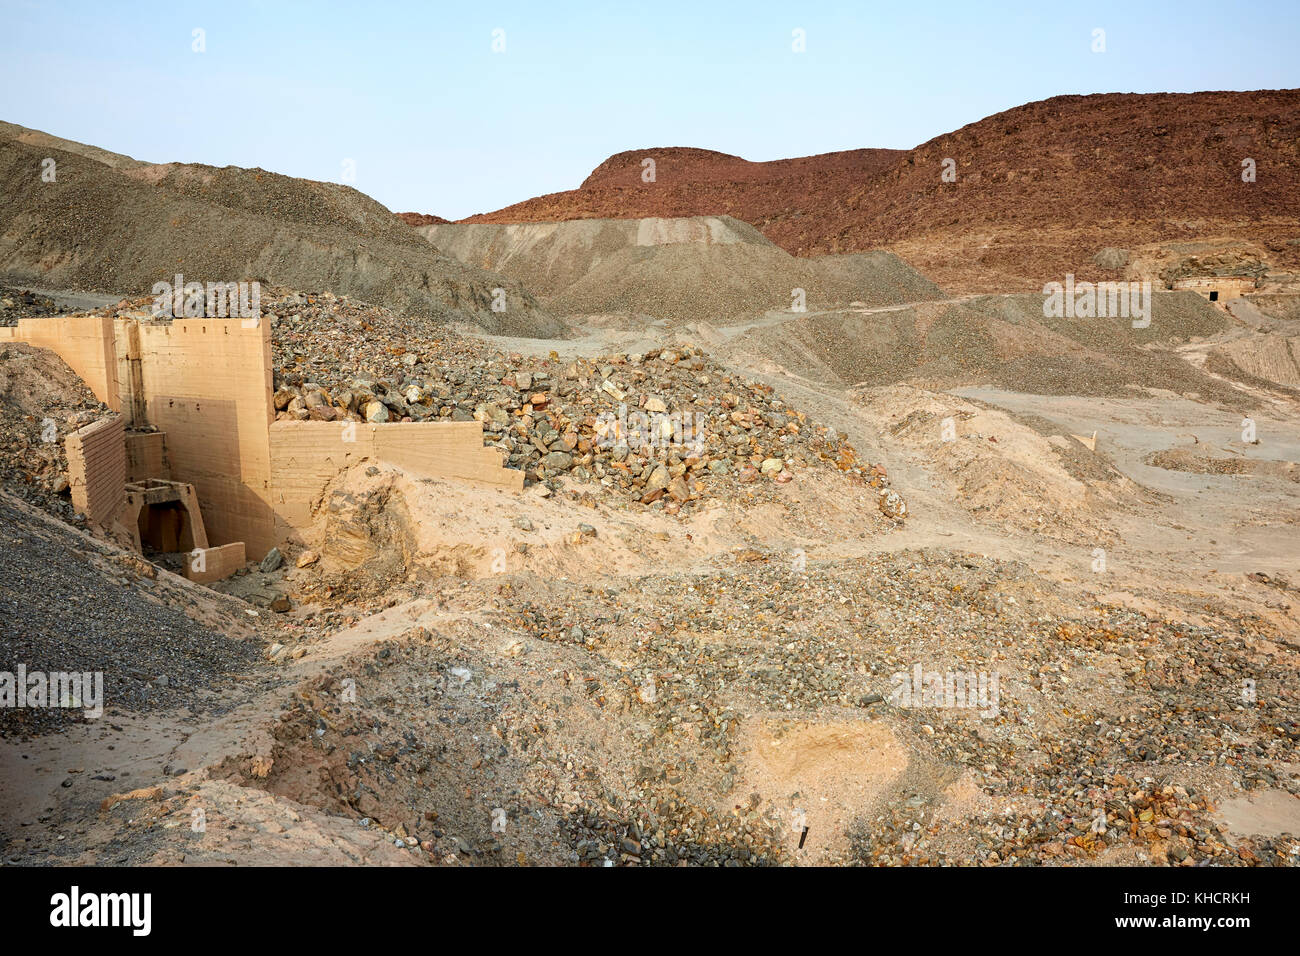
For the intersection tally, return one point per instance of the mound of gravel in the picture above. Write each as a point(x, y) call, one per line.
point(1004, 341)
point(122, 230)
point(105, 612)
point(42, 401)
point(702, 268)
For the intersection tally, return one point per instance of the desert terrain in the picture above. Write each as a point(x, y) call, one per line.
point(796, 453)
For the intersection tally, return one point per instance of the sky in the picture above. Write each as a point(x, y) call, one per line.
point(411, 103)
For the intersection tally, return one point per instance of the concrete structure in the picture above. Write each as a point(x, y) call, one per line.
point(228, 472)
point(206, 383)
point(215, 564)
point(164, 515)
point(97, 471)
point(1217, 288)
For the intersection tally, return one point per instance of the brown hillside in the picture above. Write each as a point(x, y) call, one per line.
point(690, 180)
point(1040, 188)
point(421, 219)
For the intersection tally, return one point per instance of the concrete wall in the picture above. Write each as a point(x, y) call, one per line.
point(85, 342)
point(146, 456)
point(306, 456)
point(97, 470)
point(217, 563)
point(207, 384)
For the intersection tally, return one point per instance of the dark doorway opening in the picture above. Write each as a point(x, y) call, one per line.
point(1214, 297)
point(166, 527)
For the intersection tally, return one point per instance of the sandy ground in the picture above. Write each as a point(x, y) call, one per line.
point(659, 690)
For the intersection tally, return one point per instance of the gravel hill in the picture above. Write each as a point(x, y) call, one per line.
point(703, 268)
point(1000, 340)
point(123, 229)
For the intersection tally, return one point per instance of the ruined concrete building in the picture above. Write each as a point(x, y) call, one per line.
point(1217, 288)
point(194, 460)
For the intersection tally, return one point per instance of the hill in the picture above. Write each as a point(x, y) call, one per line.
point(107, 223)
point(1039, 189)
point(704, 268)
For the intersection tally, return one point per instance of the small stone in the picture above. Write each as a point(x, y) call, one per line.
point(658, 480)
point(892, 504)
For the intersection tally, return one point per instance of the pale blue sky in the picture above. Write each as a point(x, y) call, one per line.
point(437, 122)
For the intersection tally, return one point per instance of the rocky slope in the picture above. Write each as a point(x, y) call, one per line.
point(122, 228)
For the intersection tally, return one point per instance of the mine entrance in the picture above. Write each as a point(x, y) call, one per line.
point(1214, 296)
point(166, 527)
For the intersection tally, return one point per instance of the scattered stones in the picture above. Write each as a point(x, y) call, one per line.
point(18, 304)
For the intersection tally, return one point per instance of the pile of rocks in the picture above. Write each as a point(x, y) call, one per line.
point(18, 304)
point(669, 425)
point(41, 402)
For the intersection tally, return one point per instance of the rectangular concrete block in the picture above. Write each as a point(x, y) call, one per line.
point(205, 565)
point(97, 470)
